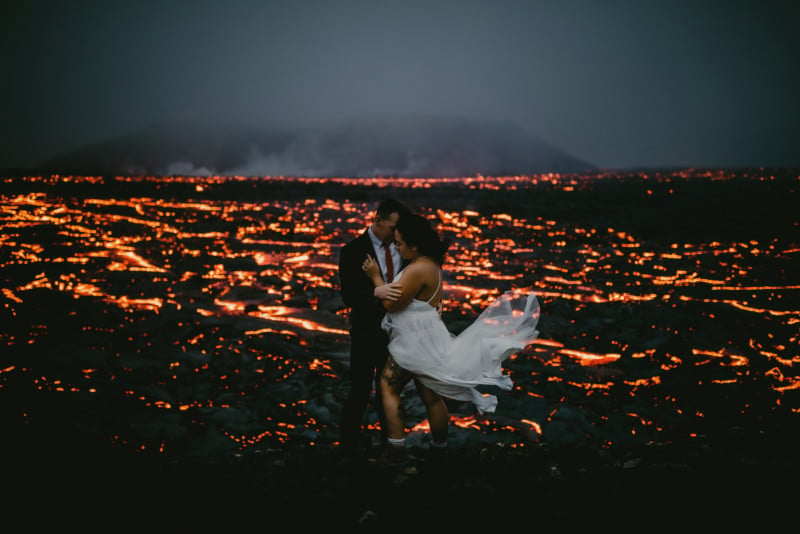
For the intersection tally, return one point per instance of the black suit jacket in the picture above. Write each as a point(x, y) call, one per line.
point(366, 311)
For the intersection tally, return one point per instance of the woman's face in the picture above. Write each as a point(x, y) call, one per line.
point(408, 253)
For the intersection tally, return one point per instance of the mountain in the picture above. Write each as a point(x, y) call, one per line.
point(420, 146)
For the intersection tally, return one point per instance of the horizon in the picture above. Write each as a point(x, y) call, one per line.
point(217, 130)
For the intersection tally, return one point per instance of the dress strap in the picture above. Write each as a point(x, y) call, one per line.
point(438, 287)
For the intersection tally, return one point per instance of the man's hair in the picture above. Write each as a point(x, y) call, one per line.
point(389, 206)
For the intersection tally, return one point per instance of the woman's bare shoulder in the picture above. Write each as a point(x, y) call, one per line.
point(423, 265)
point(423, 269)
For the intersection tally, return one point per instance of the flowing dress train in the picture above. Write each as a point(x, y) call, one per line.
point(454, 366)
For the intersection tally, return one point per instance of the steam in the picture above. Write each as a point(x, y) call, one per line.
point(186, 168)
point(302, 162)
point(409, 147)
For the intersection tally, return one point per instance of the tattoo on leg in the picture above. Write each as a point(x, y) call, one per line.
point(395, 375)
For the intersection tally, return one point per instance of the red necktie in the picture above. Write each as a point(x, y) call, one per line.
point(389, 264)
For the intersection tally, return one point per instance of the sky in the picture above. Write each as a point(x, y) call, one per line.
point(621, 84)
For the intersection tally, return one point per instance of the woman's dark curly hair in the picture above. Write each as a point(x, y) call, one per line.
point(417, 231)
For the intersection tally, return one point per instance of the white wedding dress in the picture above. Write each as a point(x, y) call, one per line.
point(454, 366)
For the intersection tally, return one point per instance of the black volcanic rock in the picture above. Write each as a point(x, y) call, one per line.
point(406, 146)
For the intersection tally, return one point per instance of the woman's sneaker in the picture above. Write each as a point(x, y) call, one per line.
point(393, 456)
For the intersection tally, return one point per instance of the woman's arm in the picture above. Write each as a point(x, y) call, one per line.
point(390, 291)
point(411, 286)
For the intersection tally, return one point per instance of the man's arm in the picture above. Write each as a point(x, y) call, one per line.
point(355, 291)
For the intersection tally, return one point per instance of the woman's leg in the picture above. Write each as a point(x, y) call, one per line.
point(393, 379)
point(438, 415)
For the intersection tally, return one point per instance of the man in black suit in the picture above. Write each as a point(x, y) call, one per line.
point(368, 340)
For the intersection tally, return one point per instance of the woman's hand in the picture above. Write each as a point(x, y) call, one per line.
point(389, 291)
point(371, 267)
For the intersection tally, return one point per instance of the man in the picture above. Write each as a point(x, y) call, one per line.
point(368, 341)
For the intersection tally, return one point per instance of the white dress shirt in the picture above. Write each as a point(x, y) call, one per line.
point(397, 259)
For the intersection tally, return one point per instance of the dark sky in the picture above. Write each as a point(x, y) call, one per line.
point(617, 83)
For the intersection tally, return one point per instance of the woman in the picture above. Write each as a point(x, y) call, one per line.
point(421, 347)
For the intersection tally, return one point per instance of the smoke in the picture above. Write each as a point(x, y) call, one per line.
point(408, 146)
point(305, 161)
point(186, 168)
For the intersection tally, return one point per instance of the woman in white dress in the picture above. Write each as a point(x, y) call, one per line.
point(421, 348)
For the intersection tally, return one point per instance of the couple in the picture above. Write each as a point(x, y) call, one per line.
point(391, 278)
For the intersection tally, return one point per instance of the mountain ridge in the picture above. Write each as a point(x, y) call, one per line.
point(410, 146)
